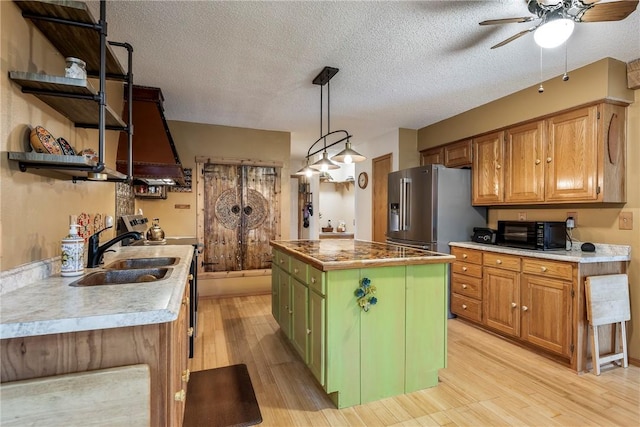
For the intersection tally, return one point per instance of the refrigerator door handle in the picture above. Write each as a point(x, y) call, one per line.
point(405, 196)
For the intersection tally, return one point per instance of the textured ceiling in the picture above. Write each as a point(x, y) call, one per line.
point(402, 64)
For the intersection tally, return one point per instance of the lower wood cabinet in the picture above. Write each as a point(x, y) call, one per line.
point(164, 347)
point(536, 301)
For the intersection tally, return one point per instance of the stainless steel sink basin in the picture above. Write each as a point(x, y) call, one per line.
point(124, 264)
point(118, 277)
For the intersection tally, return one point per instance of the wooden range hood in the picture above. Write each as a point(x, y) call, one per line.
point(155, 159)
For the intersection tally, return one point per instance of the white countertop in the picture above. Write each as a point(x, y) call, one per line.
point(50, 305)
point(603, 253)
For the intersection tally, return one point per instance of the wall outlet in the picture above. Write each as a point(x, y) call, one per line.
point(625, 221)
point(573, 215)
point(522, 216)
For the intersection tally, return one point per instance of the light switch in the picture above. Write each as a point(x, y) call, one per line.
point(625, 221)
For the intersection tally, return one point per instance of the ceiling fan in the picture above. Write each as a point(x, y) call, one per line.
point(557, 18)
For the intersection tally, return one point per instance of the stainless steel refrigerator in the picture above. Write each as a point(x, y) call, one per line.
point(430, 206)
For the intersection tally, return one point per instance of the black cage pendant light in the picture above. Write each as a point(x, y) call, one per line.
point(348, 155)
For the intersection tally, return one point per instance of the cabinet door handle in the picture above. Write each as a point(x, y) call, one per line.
point(498, 166)
point(190, 332)
point(498, 261)
point(464, 306)
point(180, 396)
point(308, 331)
point(548, 159)
point(537, 161)
point(464, 268)
point(464, 286)
point(185, 375)
point(190, 277)
point(514, 305)
point(295, 270)
point(313, 280)
point(543, 269)
point(464, 256)
point(290, 311)
point(525, 308)
point(281, 261)
point(185, 301)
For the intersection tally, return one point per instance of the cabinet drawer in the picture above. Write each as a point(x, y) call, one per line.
point(316, 280)
point(466, 307)
point(543, 267)
point(299, 270)
point(281, 260)
point(467, 255)
point(466, 285)
point(508, 262)
point(466, 269)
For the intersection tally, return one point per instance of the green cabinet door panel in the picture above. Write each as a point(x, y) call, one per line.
point(382, 335)
point(275, 291)
point(343, 338)
point(299, 326)
point(316, 336)
point(426, 333)
point(285, 311)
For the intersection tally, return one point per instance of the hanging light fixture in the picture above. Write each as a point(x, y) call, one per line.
point(306, 170)
point(556, 30)
point(348, 155)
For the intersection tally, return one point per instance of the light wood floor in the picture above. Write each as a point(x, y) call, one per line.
point(488, 381)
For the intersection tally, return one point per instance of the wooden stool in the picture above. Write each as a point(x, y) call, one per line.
point(608, 303)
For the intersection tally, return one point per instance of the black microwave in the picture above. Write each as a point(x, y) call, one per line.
point(537, 235)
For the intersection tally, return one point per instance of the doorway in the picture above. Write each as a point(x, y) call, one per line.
point(380, 167)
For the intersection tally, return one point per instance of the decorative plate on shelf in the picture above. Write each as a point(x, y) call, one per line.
point(85, 226)
point(67, 149)
point(90, 154)
point(43, 142)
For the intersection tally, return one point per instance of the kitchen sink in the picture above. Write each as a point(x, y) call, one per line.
point(123, 264)
point(118, 277)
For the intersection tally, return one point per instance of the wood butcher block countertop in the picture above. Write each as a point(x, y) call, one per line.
point(345, 254)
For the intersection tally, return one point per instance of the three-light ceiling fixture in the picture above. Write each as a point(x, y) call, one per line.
point(348, 155)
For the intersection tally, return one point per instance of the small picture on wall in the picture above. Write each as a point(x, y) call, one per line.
point(183, 188)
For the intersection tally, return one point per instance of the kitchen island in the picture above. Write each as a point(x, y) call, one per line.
point(50, 328)
point(368, 319)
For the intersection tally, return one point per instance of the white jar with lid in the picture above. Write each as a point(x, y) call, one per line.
point(75, 68)
point(72, 253)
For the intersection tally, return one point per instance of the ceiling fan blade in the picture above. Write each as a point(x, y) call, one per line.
point(515, 36)
point(507, 20)
point(614, 11)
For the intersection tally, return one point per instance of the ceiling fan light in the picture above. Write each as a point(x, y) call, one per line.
point(324, 164)
point(553, 33)
point(348, 155)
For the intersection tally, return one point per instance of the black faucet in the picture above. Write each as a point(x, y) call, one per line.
point(96, 252)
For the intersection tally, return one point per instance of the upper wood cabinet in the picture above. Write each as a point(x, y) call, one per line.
point(432, 156)
point(576, 156)
point(488, 176)
point(524, 157)
point(454, 155)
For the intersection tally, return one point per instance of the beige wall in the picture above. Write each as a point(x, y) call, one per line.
point(407, 147)
point(603, 79)
point(34, 210)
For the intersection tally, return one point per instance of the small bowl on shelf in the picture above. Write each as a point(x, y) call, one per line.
point(43, 142)
point(327, 229)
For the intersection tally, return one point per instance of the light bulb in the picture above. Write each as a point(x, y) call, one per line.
point(308, 172)
point(348, 159)
point(324, 168)
point(553, 33)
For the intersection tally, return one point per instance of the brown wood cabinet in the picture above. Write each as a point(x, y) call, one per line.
point(162, 346)
point(575, 156)
point(454, 155)
point(487, 172)
point(466, 284)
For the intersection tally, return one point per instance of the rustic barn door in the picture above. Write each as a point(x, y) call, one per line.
point(241, 215)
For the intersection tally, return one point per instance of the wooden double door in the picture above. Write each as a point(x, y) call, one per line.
point(241, 214)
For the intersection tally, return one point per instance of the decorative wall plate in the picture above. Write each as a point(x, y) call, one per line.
point(90, 154)
point(43, 142)
point(67, 149)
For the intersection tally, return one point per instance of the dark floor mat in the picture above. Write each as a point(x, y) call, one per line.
point(221, 397)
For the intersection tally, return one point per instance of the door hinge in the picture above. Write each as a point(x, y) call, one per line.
point(598, 115)
point(598, 189)
point(571, 348)
point(573, 293)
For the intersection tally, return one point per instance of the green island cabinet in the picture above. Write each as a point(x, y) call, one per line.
point(395, 347)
